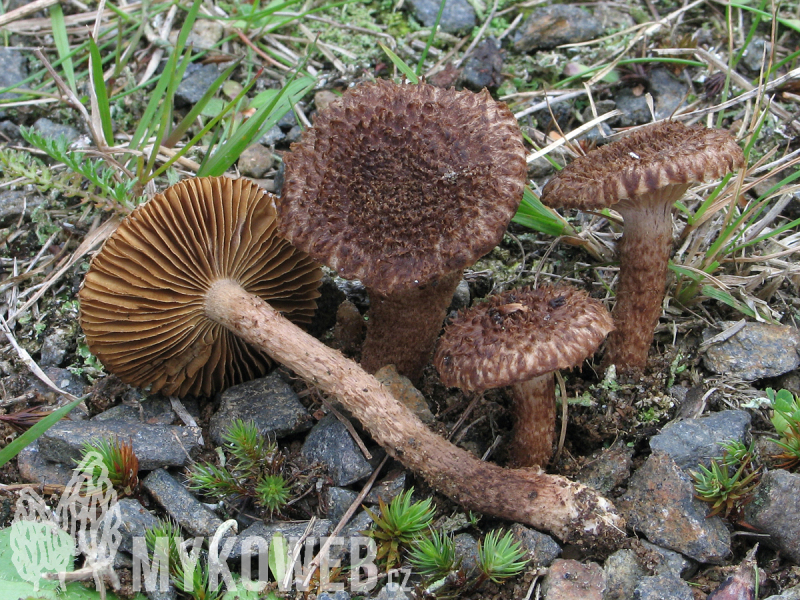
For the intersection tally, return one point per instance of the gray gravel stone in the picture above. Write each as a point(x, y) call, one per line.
point(35, 469)
point(623, 572)
point(402, 389)
point(458, 16)
point(389, 487)
point(136, 520)
point(340, 595)
point(330, 443)
point(13, 70)
point(181, 505)
point(775, 510)
point(754, 55)
point(154, 445)
point(53, 130)
point(273, 135)
point(268, 402)
point(571, 580)
point(483, 68)
point(392, 591)
point(461, 297)
point(607, 469)
point(255, 161)
point(758, 350)
point(663, 586)
point(660, 503)
point(671, 562)
point(291, 531)
point(554, 25)
point(11, 130)
point(696, 441)
point(788, 594)
point(196, 81)
point(541, 548)
point(153, 410)
point(13, 202)
point(466, 551)
point(338, 500)
point(55, 346)
point(667, 92)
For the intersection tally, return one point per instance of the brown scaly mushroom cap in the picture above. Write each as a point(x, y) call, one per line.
point(518, 339)
point(397, 185)
point(642, 176)
point(520, 334)
point(143, 299)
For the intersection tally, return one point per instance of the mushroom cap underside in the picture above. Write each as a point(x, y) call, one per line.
point(520, 334)
point(650, 159)
point(143, 299)
point(399, 184)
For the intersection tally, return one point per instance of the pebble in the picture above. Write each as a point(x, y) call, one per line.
point(461, 297)
point(273, 135)
point(10, 130)
point(788, 594)
point(323, 98)
point(666, 585)
point(391, 485)
point(402, 389)
point(204, 35)
point(13, 70)
point(754, 55)
point(550, 26)
point(196, 81)
point(330, 443)
point(466, 548)
point(775, 510)
point(611, 17)
point(623, 572)
point(33, 468)
point(13, 202)
point(541, 167)
point(52, 130)
point(337, 501)
point(458, 16)
point(135, 521)
point(291, 531)
point(255, 161)
point(55, 346)
point(268, 402)
point(153, 410)
point(483, 68)
point(758, 350)
point(541, 548)
point(155, 445)
point(668, 94)
point(181, 505)
point(350, 328)
point(340, 595)
point(669, 561)
point(392, 591)
point(696, 441)
point(607, 469)
point(660, 503)
point(570, 580)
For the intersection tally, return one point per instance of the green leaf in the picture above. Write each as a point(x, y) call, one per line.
point(278, 556)
point(62, 44)
point(726, 298)
point(99, 86)
point(401, 65)
point(535, 215)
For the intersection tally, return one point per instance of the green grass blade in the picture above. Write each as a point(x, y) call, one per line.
point(401, 65)
point(62, 44)
point(99, 86)
point(726, 298)
point(15, 447)
point(535, 215)
point(431, 37)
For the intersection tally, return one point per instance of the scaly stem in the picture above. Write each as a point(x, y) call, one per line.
point(535, 424)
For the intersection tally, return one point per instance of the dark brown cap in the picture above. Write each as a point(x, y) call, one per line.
point(397, 185)
point(142, 302)
point(651, 158)
point(520, 334)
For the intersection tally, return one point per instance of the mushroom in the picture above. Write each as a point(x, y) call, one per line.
point(642, 176)
point(519, 339)
point(402, 187)
point(143, 303)
point(159, 260)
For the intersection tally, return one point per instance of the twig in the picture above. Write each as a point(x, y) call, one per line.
point(573, 134)
point(25, 10)
point(351, 430)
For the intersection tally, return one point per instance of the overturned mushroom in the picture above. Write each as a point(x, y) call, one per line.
point(642, 176)
point(198, 221)
point(519, 339)
point(402, 187)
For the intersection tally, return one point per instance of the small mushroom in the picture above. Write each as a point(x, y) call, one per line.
point(180, 264)
point(402, 187)
point(519, 339)
point(642, 176)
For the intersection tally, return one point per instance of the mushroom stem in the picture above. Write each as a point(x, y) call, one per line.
point(403, 327)
point(644, 252)
point(535, 424)
point(569, 510)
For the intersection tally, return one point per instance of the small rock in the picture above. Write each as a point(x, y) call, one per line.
point(338, 501)
point(571, 580)
point(458, 16)
point(255, 161)
point(269, 403)
point(196, 81)
point(33, 468)
point(340, 595)
point(563, 113)
point(541, 167)
point(756, 53)
point(402, 389)
point(541, 548)
point(633, 107)
point(13, 202)
point(483, 68)
point(392, 591)
point(669, 92)
point(623, 572)
point(204, 35)
point(670, 561)
point(153, 410)
point(47, 128)
point(272, 136)
point(461, 297)
point(55, 346)
point(391, 485)
point(774, 510)
point(466, 548)
point(350, 328)
point(660, 503)
point(667, 585)
point(550, 26)
point(294, 134)
point(788, 594)
point(611, 17)
point(610, 468)
point(181, 505)
point(13, 70)
point(154, 445)
point(65, 380)
point(330, 443)
point(10, 130)
point(323, 98)
point(136, 520)
point(692, 442)
point(287, 121)
point(758, 350)
point(260, 533)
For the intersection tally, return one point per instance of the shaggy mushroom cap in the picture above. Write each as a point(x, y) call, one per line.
point(520, 334)
point(143, 299)
point(397, 185)
point(649, 159)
